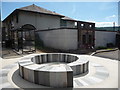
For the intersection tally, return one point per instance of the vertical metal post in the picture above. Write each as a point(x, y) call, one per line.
point(22, 40)
point(34, 40)
point(113, 26)
point(79, 35)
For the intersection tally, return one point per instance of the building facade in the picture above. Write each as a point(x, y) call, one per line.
point(55, 30)
point(103, 37)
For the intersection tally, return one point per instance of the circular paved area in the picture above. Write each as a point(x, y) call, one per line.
point(41, 69)
point(103, 73)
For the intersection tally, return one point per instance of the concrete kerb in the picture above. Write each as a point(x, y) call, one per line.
point(100, 51)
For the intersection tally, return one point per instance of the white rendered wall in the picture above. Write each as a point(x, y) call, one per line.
point(104, 37)
point(40, 21)
point(63, 39)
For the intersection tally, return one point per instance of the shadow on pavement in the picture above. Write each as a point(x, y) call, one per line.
point(20, 82)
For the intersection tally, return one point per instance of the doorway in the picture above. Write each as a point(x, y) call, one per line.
point(24, 38)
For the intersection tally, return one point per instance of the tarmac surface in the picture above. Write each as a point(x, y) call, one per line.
point(112, 54)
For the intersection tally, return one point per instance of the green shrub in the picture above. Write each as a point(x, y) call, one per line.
point(109, 45)
point(101, 47)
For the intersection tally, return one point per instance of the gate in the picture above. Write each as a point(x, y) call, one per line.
point(24, 38)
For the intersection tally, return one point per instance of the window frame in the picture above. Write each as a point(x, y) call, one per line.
point(63, 23)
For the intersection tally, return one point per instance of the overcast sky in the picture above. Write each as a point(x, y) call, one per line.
point(102, 13)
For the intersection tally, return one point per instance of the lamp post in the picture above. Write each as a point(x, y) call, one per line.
point(113, 26)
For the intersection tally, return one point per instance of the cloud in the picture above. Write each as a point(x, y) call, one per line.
point(110, 17)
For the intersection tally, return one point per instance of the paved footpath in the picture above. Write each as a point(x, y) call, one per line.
point(102, 73)
point(4, 76)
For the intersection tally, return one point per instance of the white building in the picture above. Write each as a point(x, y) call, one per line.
point(102, 38)
point(55, 30)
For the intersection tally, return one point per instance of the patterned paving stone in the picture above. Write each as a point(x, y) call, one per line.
point(89, 81)
point(3, 76)
point(95, 79)
point(78, 82)
point(100, 75)
point(9, 66)
point(4, 79)
point(4, 72)
point(95, 64)
point(6, 85)
point(83, 82)
point(74, 84)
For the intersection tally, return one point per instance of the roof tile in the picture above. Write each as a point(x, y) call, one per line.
point(38, 9)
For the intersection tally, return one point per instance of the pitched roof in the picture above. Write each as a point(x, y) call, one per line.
point(35, 9)
point(38, 9)
point(68, 18)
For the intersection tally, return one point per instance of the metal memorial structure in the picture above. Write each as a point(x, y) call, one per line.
point(23, 38)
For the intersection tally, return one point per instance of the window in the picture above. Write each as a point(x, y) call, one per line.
point(75, 24)
point(84, 39)
point(82, 25)
point(63, 23)
point(90, 26)
point(90, 39)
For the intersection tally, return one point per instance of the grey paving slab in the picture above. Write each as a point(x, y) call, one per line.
point(83, 82)
point(3, 79)
point(101, 69)
point(101, 74)
point(9, 66)
point(3, 74)
point(27, 61)
point(96, 65)
point(6, 85)
point(32, 66)
point(89, 81)
point(95, 79)
point(78, 82)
